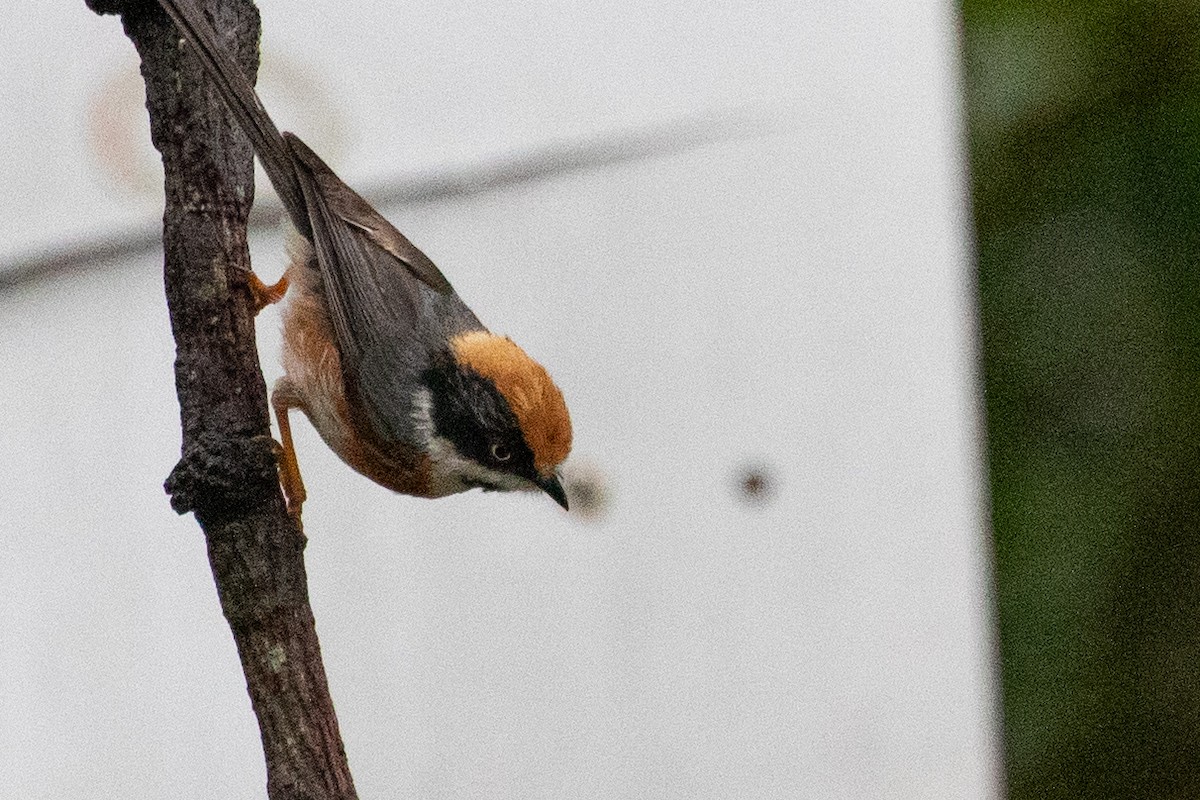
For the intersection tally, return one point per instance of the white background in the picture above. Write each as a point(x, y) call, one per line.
point(798, 296)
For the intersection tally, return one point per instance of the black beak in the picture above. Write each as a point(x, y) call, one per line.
point(551, 486)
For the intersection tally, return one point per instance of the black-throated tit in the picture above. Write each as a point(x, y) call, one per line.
point(397, 375)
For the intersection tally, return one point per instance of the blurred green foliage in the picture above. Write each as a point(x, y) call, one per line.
point(1084, 121)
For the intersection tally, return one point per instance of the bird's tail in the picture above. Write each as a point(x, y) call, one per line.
point(243, 101)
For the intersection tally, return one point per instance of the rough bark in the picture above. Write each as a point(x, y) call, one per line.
point(227, 473)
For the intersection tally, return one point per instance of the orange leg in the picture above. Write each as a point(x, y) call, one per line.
point(283, 399)
point(266, 295)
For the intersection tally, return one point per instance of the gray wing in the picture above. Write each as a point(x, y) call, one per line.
point(390, 307)
point(348, 206)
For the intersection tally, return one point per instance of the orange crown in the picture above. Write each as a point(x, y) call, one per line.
point(531, 394)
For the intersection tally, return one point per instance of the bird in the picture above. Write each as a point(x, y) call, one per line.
point(394, 371)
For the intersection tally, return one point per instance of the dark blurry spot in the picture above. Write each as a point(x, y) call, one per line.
point(587, 491)
point(755, 484)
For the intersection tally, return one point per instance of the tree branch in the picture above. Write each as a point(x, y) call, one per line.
point(227, 473)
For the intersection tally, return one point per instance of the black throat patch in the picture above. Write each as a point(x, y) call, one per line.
point(469, 411)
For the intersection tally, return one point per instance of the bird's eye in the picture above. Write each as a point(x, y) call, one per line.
point(501, 452)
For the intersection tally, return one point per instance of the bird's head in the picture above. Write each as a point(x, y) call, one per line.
point(494, 419)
